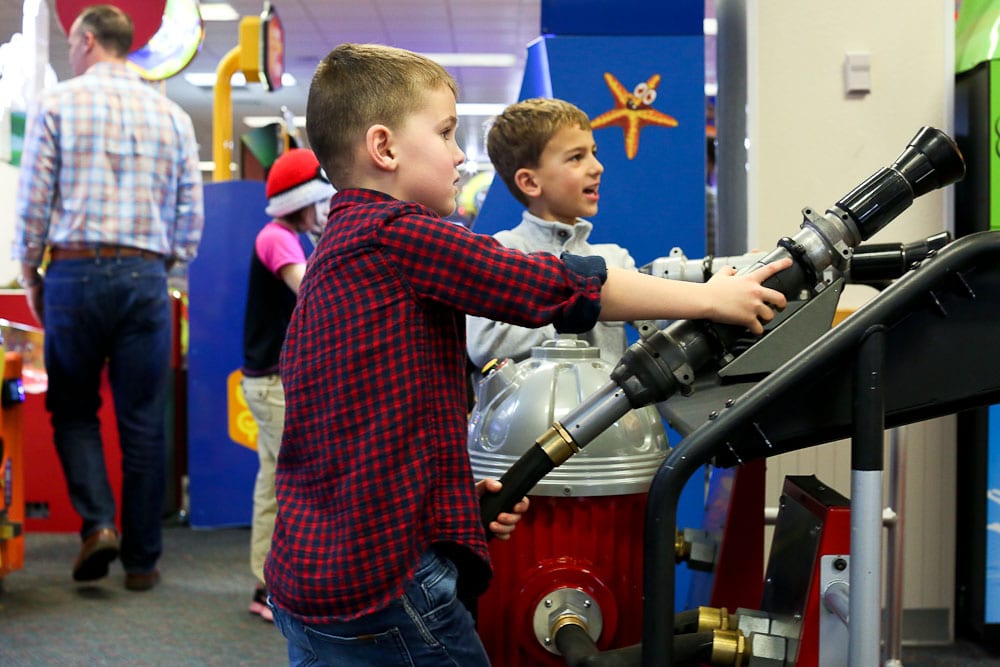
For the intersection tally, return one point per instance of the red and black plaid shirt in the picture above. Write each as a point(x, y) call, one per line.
point(373, 467)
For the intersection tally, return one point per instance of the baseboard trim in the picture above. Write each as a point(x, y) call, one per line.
point(927, 626)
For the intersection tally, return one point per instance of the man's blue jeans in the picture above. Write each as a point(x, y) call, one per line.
point(115, 311)
point(427, 626)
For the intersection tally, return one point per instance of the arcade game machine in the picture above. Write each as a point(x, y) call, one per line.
point(977, 209)
point(11, 465)
point(638, 72)
point(33, 498)
point(736, 402)
point(222, 434)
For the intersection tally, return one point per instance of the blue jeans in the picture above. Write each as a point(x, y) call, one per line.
point(114, 311)
point(427, 626)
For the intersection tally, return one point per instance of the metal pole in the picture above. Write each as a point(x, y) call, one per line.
point(222, 116)
point(894, 551)
point(867, 460)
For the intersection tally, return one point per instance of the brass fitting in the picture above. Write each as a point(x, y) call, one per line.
point(562, 607)
point(698, 548)
point(568, 618)
point(712, 618)
point(729, 647)
point(682, 548)
point(557, 444)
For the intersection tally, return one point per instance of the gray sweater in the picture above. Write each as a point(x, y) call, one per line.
point(487, 339)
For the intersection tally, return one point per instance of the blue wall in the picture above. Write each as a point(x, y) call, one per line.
point(655, 199)
point(221, 472)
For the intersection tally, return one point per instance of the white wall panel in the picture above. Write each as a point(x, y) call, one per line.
point(790, 137)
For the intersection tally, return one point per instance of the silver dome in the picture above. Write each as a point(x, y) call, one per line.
point(518, 402)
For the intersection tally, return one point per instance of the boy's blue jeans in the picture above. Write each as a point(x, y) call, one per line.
point(427, 626)
point(113, 311)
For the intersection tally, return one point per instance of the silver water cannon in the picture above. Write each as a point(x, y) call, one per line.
point(872, 264)
point(669, 360)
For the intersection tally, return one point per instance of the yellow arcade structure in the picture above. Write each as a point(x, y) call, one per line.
point(245, 57)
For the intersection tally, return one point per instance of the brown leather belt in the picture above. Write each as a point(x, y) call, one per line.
point(57, 254)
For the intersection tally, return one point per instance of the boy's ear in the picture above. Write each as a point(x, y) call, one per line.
point(378, 145)
point(526, 182)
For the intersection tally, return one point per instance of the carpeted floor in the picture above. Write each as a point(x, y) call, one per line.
point(197, 615)
point(960, 654)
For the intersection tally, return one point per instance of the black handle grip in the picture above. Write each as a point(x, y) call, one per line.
point(533, 465)
point(874, 263)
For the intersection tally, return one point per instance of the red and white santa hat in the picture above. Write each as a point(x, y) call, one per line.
point(294, 182)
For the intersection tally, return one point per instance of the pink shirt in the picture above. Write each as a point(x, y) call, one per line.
point(278, 246)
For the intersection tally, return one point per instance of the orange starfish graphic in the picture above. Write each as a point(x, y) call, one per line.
point(633, 111)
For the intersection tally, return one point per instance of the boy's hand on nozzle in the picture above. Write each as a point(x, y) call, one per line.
point(743, 300)
point(505, 522)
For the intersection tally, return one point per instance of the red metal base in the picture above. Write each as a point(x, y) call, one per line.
point(814, 521)
point(740, 521)
point(591, 544)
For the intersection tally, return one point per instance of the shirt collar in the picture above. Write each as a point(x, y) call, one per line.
point(109, 68)
point(546, 229)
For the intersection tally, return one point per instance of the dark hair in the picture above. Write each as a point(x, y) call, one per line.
point(110, 26)
point(296, 218)
point(520, 133)
point(360, 85)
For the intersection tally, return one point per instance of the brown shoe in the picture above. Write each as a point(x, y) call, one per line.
point(97, 552)
point(141, 581)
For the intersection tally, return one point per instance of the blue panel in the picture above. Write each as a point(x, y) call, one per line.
point(537, 81)
point(623, 17)
point(499, 209)
point(992, 612)
point(221, 472)
point(656, 200)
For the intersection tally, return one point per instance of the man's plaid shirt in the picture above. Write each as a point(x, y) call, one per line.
point(108, 160)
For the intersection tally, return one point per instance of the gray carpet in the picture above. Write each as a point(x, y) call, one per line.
point(960, 654)
point(196, 616)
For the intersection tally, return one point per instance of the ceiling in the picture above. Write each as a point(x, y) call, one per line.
point(314, 27)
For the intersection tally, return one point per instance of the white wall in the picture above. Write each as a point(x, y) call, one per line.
point(808, 144)
point(9, 269)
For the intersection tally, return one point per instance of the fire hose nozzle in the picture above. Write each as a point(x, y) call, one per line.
point(669, 361)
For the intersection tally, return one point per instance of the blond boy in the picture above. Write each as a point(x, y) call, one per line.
point(544, 151)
